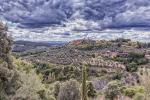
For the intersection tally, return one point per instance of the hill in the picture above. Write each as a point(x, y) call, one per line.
point(121, 59)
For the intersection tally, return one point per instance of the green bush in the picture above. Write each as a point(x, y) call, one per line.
point(121, 59)
point(139, 96)
point(113, 89)
point(60, 73)
point(86, 47)
point(23, 65)
point(135, 55)
point(117, 75)
point(131, 91)
point(132, 67)
point(91, 92)
point(142, 61)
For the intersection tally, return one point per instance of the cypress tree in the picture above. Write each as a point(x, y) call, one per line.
point(84, 78)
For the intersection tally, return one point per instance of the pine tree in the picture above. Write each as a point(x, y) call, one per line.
point(84, 78)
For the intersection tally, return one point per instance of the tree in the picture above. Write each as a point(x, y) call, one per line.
point(84, 78)
point(9, 78)
point(69, 91)
point(5, 46)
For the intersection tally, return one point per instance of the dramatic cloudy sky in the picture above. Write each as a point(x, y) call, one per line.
point(35, 19)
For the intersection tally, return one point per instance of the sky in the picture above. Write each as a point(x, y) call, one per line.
point(67, 20)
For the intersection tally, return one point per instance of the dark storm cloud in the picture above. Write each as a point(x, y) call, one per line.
point(111, 13)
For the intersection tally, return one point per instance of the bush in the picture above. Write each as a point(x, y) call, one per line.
point(132, 67)
point(69, 91)
point(22, 65)
point(131, 91)
point(91, 92)
point(142, 61)
point(86, 47)
point(117, 75)
point(56, 89)
point(135, 55)
point(113, 89)
point(58, 73)
point(139, 96)
point(121, 40)
point(121, 59)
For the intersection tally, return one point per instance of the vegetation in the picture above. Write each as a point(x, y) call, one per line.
point(9, 78)
point(84, 78)
point(56, 89)
point(139, 96)
point(118, 68)
point(132, 60)
point(69, 91)
point(132, 91)
point(145, 81)
point(113, 90)
point(91, 92)
point(53, 73)
point(132, 67)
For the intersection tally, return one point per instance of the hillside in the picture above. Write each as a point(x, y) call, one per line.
point(107, 61)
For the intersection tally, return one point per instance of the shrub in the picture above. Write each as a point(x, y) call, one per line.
point(117, 75)
point(135, 55)
point(132, 67)
point(91, 92)
point(58, 73)
point(131, 91)
point(23, 65)
point(69, 91)
point(121, 40)
point(139, 96)
point(142, 61)
point(56, 89)
point(31, 88)
point(121, 59)
point(113, 89)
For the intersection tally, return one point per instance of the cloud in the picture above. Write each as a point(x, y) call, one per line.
point(105, 13)
point(36, 11)
point(139, 17)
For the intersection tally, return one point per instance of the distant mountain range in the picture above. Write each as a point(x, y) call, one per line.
point(20, 46)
